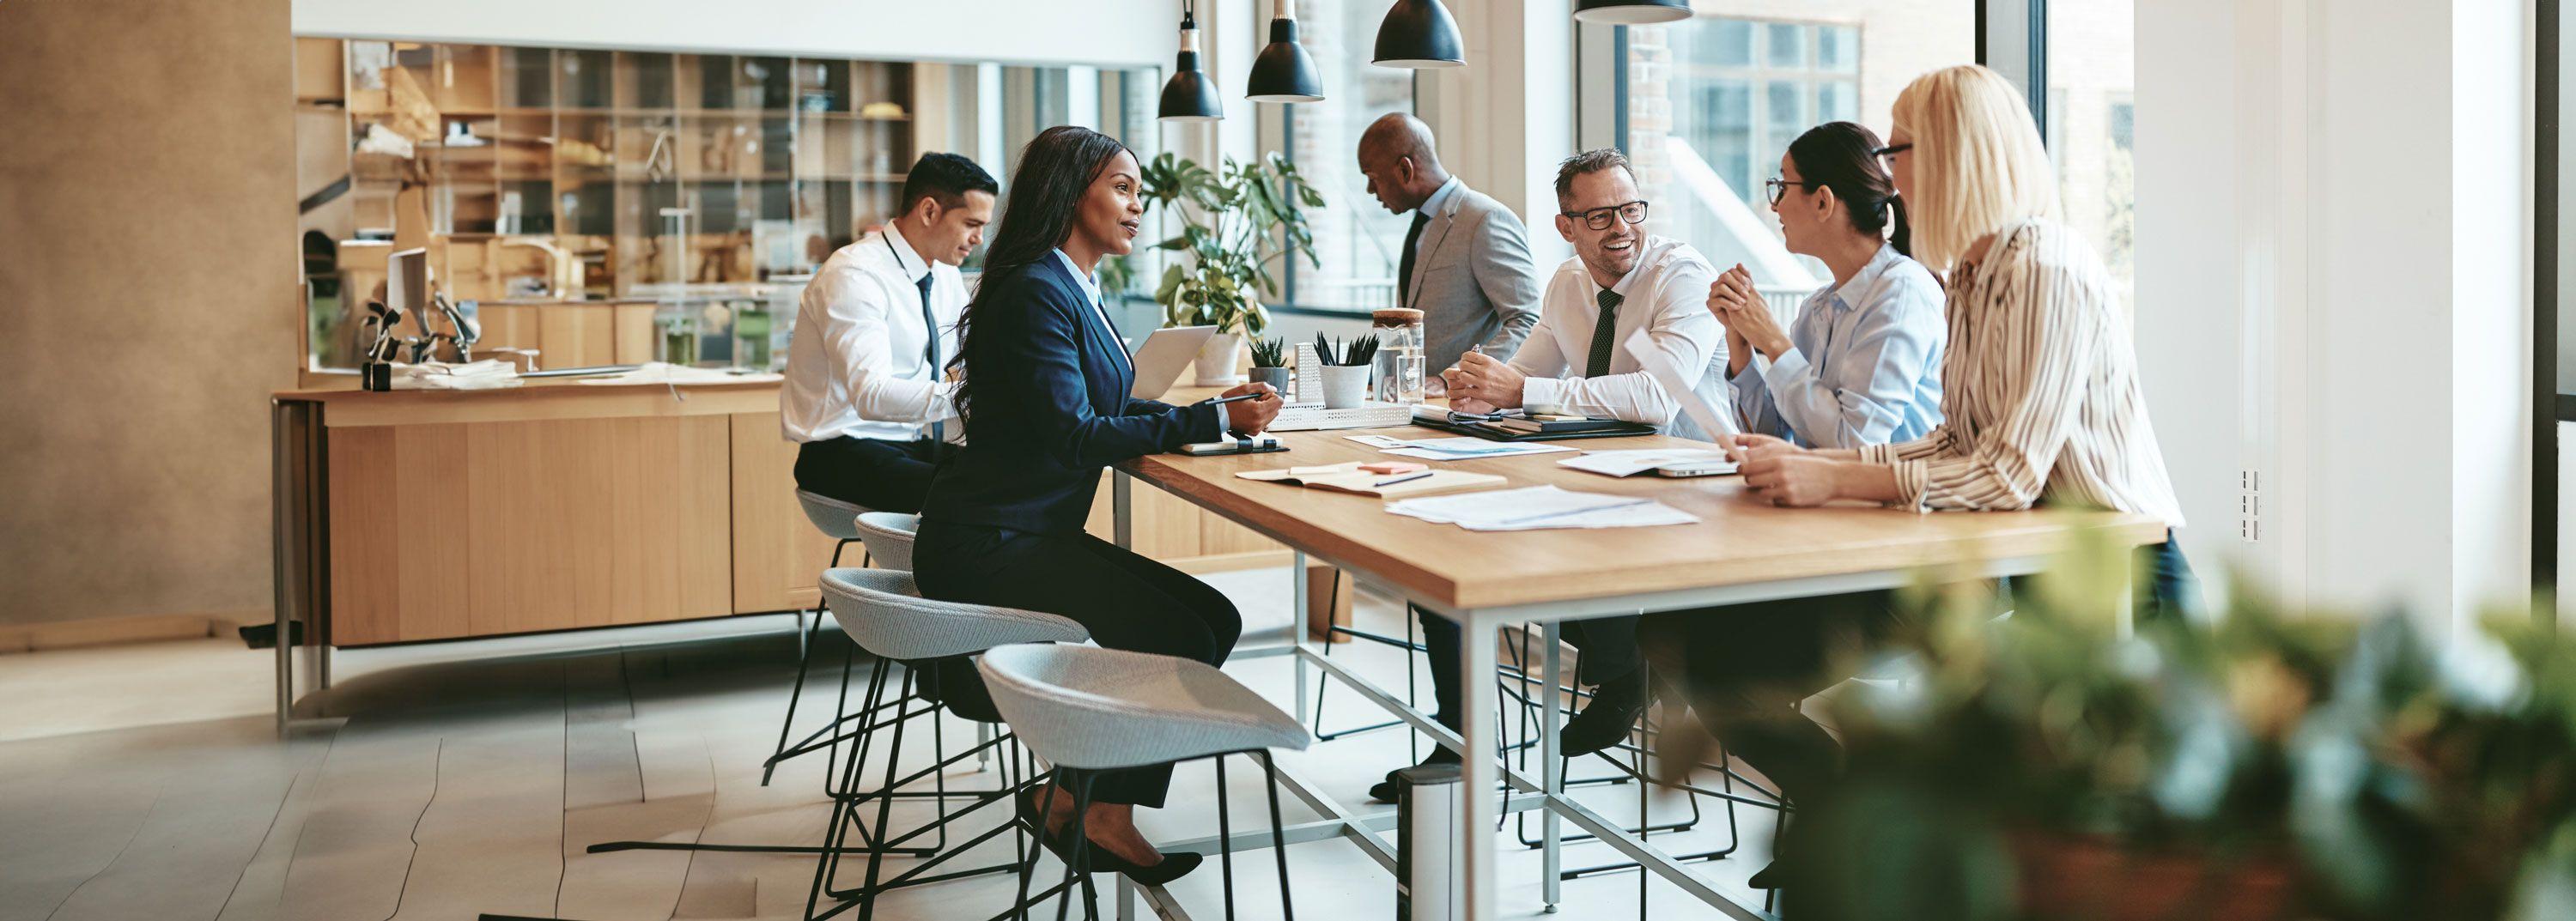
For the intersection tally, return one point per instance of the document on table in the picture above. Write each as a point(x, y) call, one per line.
point(1631, 463)
point(1712, 420)
point(1459, 448)
point(1535, 507)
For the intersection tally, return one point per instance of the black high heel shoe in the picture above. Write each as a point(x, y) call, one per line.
point(1098, 859)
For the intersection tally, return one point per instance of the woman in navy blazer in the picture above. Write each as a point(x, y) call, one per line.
point(1045, 403)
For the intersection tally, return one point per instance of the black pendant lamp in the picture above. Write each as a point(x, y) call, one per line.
point(1631, 12)
point(1419, 34)
point(1284, 72)
point(1190, 96)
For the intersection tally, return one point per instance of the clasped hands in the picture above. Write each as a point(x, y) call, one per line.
point(1482, 383)
point(1747, 319)
point(1783, 473)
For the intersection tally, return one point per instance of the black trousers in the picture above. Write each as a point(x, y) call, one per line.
point(1609, 647)
point(1745, 667)
point(873, 473)
point(1125, 600)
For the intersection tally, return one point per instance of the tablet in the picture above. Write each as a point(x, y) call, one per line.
point(1160, 360)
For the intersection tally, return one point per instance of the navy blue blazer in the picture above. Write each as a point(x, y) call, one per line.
point(1049, 408)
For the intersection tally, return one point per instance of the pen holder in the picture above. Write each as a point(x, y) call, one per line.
point(1345, 386)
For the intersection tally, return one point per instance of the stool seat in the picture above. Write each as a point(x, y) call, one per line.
point(888, 536)
point(836, 519)
point(1096, 709)
point(883, 611)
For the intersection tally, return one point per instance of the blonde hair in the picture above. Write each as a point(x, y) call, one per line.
point(1978, 163)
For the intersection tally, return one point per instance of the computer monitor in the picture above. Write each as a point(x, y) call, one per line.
point(407, 285)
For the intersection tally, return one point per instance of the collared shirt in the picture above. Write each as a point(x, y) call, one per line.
point(2040, 390)
point(859, 364)
point(1666, 294)
point(1863, 365)
point(1431, 207)
point(1091, 292)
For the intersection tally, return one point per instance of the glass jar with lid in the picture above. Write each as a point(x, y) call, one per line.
point(1399, 354)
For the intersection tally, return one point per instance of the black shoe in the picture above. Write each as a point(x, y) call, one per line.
point(1605, 722)
point(1097, 859)
point(1768, 877)
point(1386, 791)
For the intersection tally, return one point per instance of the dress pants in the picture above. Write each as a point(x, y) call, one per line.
point(873, 473)
point(1609, 647)
point(1745, 667)
point(1127, 602)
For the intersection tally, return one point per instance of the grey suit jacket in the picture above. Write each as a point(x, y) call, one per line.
point(1473, 280)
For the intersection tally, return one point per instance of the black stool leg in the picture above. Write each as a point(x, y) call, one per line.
point(1224, 838)
point(1278, 838)
point(804, 657)
point(1029, 862)
point(885, 792)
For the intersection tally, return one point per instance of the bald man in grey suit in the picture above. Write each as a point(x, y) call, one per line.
point(1466, 260)
point(1466, 265)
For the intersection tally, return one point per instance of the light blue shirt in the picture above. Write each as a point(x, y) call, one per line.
point(1091, 292)
point(1864, 362)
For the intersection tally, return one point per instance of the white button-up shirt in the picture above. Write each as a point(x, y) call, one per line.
point(859, 365)
point(1665, 294)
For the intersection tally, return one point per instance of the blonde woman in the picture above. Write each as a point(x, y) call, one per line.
point(2040, 401)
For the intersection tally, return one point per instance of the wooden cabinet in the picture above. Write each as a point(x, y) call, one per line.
point(572, 334)
point(559, 505)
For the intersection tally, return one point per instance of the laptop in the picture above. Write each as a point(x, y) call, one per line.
point(1160, 360)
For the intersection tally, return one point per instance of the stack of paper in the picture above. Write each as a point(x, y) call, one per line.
point(488, 374)
point(1535, 507)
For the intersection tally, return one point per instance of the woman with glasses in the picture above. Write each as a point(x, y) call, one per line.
point(1861, 363)
point(2041, 405)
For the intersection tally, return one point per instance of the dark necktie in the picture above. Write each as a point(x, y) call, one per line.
point(930, 326)
point(1604, 333)
point(1404, 260)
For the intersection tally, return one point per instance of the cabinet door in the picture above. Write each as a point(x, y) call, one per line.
point(777, 555)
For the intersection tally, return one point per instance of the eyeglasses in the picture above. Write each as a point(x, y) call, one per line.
point(1890, 151)
point(1599, 218)
point(1780, 187)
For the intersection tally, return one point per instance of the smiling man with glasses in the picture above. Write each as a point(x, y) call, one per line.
point(1620, 281)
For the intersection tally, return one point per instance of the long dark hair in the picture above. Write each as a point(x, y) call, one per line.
point(1055, 170)
point(1844, 157)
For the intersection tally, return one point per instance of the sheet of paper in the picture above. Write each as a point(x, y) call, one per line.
point(1464, 447)
point(1631, 463)
point(1713, 420)
point(1377, 441)
point(1534, 507)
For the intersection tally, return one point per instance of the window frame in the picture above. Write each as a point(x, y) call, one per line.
point(2549, 406)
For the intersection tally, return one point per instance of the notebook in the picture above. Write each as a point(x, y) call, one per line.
point(1349, 478)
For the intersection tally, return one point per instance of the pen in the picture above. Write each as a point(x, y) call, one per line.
point(1237, 398)
point(1407, 478)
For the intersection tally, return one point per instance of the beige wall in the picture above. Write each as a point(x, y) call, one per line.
point(147, 302)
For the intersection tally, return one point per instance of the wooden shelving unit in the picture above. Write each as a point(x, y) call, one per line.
point(646, 167)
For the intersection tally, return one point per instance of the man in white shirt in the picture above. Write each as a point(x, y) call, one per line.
point(866, 398)
point(1576, 362)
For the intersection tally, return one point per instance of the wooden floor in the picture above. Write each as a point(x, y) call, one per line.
point(469, 778)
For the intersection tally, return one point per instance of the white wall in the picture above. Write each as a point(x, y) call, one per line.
point(2333, 289)
point(1121, 33)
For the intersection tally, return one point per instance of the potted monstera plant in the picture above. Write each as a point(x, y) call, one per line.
point(1239, 222)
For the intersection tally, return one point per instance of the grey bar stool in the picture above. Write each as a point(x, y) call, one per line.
point(1084, 710)
point(883, 613)
point(837, 520)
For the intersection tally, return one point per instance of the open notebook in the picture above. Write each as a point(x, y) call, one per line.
point(1348, 477)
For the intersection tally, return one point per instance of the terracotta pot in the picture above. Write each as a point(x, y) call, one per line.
point(2078, 876)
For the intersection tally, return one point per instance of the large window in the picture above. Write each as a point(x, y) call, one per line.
point(1356, 240)
point(2092, 120)
point(1710, 105)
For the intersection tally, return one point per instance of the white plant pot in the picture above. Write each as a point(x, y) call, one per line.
point(1220, 362)
point(1345, 386)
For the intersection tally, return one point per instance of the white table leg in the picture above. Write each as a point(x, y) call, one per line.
point(1297, 629)
point(1482, 773)
point(1551, 773)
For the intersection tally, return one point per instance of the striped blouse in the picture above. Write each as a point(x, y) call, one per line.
point(2040, 391)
